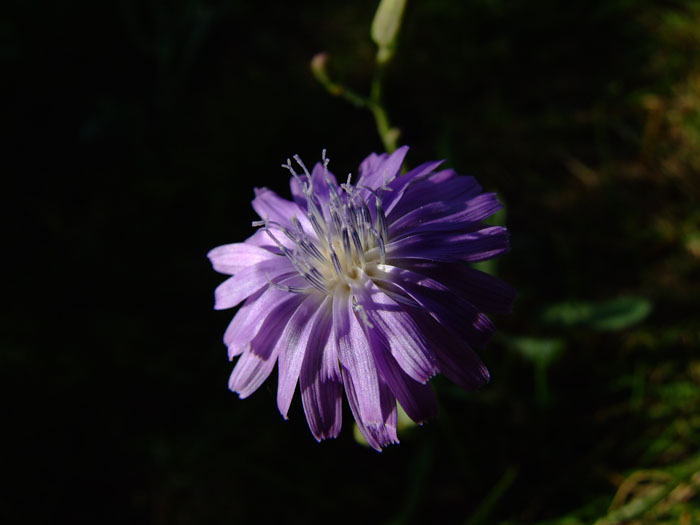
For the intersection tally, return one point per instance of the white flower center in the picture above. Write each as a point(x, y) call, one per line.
point(348, 241)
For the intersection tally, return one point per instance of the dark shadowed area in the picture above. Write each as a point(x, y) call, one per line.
point(136, 132)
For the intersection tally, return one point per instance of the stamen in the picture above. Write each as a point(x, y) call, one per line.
point(343, 221)
point(313, 219)
point(297, 224)
point(336, 222)
point(310, 249)
point(284, 287)
point(316, 282)
point(362, 313)
point(291, 170)
point(347, 248)
point(366, 218)
point(281, 246)
point(358, 247)
point(382, 249)
point(289, 233)
point(381, 221)
point(336, 263)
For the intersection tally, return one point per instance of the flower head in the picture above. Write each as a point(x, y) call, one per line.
point(362, 288)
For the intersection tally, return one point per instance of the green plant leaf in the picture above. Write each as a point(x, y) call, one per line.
point(610, 315)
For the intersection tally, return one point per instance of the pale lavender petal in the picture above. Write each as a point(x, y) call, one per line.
point(270, 334)
point(260, 355)
point(248, 281)
point(232, 258)
point(250, 372)
point(384, 434)
point(239, 331)
point(268, 304)
point(470, 247)
point(308, 326)
point(268, 205)
point(397, 330)
point(262, 239)
point(380, 434)
point(356, 357)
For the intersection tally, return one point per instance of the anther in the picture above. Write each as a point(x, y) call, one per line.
point(284, 287)
point(336, 262)
point(358, 247)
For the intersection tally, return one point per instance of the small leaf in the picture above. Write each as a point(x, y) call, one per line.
point(614, 314)
point(541, 351)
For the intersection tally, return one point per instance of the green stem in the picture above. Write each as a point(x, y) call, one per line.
point(388, 134)
point(493, 498)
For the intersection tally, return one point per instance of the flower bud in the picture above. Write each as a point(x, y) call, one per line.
point(386, 23)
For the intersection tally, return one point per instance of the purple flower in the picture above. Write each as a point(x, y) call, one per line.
point(363, 288)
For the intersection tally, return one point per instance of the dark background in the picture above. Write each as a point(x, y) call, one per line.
point(137, 130)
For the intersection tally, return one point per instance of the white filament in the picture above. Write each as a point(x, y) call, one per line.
point(344, 240)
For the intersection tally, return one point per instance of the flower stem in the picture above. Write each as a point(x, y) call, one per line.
point(389, 135)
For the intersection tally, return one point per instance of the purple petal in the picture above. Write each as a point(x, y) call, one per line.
point(355, 355)
point(308, 326)
point(250, 372)
point(381, 434)
point(444, 185)
point(248, 281)
point(375, 170)
point(470, 247)
point(397, 331)
point(418, 400)
point(447, 215)
point(232, 258)
point(402, 183)
point(449, 309)
point(323, 406)
point(486, 292)
point(263, 240)
point(239, 331)
point(264, 308)
point(457, 360)
point(260, 355)
point(320, 184)
point(268, 205)
point(321, 385)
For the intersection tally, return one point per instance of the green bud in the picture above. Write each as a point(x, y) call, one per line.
point(387, 22)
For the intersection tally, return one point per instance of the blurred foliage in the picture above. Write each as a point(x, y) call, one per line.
point(612, 314)
point(137, 132)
